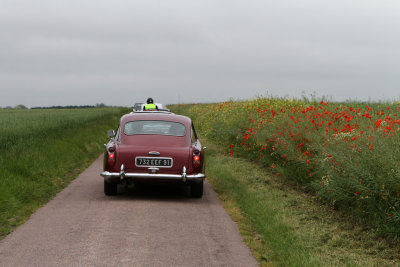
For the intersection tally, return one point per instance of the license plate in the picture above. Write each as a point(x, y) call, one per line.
point(153, 162)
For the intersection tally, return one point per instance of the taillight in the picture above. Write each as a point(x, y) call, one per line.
point(111, 158)
point(196, 160)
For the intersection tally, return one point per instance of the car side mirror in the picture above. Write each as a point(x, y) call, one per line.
point(111, 133)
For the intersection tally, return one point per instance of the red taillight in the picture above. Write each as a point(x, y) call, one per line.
point(196, 160)
point(111, 158)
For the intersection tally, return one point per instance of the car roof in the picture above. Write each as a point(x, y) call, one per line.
point(155, 115)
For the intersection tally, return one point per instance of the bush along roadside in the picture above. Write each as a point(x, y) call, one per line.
point(46, 149)
point(347, 154)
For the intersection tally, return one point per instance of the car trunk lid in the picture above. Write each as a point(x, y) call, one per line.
point(167, 159)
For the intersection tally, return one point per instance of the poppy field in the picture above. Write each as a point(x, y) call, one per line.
point(347, 154)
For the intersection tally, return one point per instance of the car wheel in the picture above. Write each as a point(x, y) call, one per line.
point(196, 190)
point(110, 189)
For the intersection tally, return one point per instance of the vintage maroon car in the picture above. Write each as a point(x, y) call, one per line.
point(154, 147)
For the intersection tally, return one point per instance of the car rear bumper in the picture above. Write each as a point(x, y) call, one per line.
point(120, 176)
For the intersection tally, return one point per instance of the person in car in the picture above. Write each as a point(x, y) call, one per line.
point(150, 105)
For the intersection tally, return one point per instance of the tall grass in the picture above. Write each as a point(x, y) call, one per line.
point(42, 151)
point(346, 153)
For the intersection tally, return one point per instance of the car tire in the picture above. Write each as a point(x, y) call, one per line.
point(196, 190)
point(110, 189)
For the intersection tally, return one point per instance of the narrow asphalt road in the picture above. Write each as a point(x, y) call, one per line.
point(147, 226)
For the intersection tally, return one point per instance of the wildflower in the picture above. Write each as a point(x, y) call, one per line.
point(357, 193)
point(389, 215)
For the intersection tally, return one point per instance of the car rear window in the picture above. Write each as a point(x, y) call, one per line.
point(155, 127)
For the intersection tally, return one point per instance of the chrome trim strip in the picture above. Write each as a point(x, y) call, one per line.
point(184, 177)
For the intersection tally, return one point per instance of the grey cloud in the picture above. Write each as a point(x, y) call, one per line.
point(196, 50)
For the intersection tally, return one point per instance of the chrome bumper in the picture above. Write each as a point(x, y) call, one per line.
point(108, 176)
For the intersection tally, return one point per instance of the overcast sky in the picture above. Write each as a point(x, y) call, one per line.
point(118, 52)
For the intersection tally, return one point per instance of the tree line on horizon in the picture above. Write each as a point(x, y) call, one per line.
point(21, 106)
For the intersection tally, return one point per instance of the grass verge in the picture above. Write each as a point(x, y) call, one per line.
point(36, 168)
point(285, 227)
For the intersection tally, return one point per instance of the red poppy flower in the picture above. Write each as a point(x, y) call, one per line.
point(299, 145)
